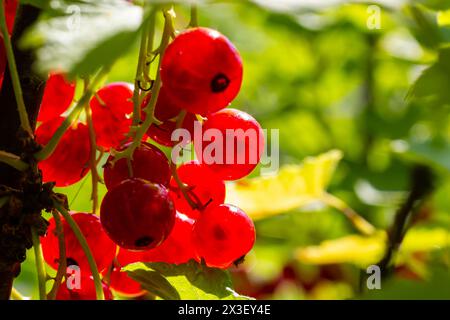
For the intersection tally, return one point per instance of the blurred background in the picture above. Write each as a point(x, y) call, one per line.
point(370, 80)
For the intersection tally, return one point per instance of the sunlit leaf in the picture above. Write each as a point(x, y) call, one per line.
point(363, 251)
point(190, 281)
point(292, 187)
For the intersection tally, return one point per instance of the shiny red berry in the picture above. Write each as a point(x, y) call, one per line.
point(111, 108)
point(234, 144)
point(149, 163)
point(203, 187)
point(177, 248)
point(137, 214)
point(125, 286)
point(162, 133)
point(86, 291)
point(58, 96)
point(102, 248)
point(223, 235)
point(69, 163)
point(10, 13)
point(202, 71)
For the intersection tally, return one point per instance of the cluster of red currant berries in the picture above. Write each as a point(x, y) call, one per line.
point(153, 212)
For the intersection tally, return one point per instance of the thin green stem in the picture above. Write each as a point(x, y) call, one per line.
point(150, 117)
point(139, 79)
point(70, 119)
point(173, 167)
point(359, 222)
point(150, 40)
point(84, 245)
point(62, 267)
point(13, 160)
point(93, 156)
point(16, 295)
point(40, 267)
point(194, 16)
point(24, 121)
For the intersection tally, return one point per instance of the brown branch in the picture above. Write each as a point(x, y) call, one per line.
point(11, 140)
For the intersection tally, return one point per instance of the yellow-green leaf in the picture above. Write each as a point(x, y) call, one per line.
point(363, 251)
point(294, 186)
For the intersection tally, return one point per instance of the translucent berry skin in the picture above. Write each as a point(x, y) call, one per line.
point(85, 292)
point(162, 133)
point(202, 70)
point(247, 141)
point(149, 163)
point(68, 164)
point(137, 214)
point(58, 96)
point(103, 249)
point(178, 247)
point(204, 188)
point(223, 235)
point(122, 284)
point(111, 115)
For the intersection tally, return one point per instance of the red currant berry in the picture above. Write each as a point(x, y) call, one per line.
point(202, 70)
point(149, 163)
point(177, 248)
point(58, 96)
point(69, 162)
point(165, 109)
point(10, 13)
point(111, 108)
point(121, 283)
point(162, 133)
point(137, 214)
point(203, 187)
point(239, 145)
point(102, 248)
point(86, 291)
point(223, 235)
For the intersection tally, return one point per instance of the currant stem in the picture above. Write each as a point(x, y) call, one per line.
point(13, 160)
point(93, 156)
point(84, 245)
point(48, 149)
point(40, 267)
point(173, 167)
point(139, 75)
point(359, 222)
point(23, 115)
point(150, 40)
point(16, 295)
point(62, 267)
point(194, 16)
point(150, 109)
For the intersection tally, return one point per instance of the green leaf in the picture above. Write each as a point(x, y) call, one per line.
point(294, 186)
point(190, 281)
point(85, 36)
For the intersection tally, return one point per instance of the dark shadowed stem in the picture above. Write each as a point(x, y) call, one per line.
point(422, 184)
point(10, 124)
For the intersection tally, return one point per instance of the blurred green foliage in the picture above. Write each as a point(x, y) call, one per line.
point(327, 81)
